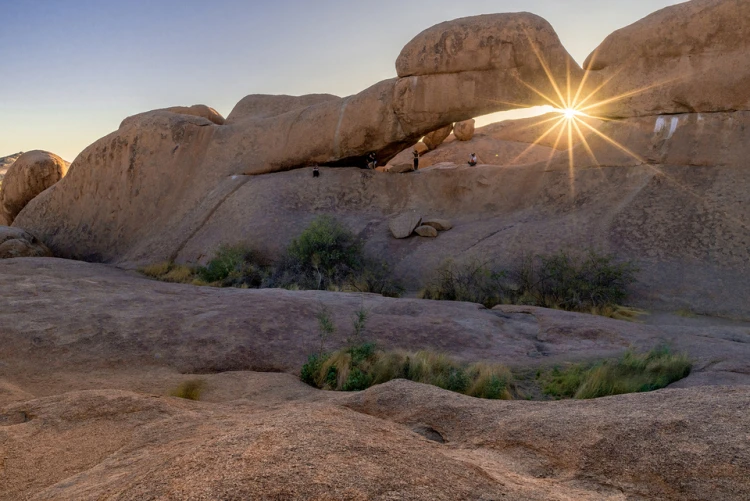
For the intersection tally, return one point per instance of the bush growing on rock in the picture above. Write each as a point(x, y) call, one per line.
point(326, 256)
point(358, 367)
point(595, 283)
point(631, 373)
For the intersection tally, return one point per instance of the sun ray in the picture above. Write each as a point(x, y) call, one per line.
point(574, 104)
point(615, 143)
point(542, 95)
point(628, 94)
point(584, 141)
point(539, 140)
point(536, 124)
point(554, 148)
point(546, 69)
point(571, 161)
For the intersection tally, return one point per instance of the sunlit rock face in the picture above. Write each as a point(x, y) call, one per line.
point(690, 57)
point(141, 192)
point(664, 190)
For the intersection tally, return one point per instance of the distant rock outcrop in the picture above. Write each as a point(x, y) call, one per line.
point(27, 177)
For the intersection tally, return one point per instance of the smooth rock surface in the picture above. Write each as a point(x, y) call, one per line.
point(404, 224)
point(426, 231)
point(693, 57)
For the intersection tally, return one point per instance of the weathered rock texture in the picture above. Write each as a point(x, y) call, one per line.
point(27, 177)
point(15, 242)
point(687, 58)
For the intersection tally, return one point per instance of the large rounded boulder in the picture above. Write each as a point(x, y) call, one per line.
point(27, 177)
point(687, 58)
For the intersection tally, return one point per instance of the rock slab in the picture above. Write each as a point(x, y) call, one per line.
point(404, 225)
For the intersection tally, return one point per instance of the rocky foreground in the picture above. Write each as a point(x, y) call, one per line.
point(90, 353)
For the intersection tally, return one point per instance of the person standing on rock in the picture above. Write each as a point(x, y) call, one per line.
point(416, 159)
point(372, 161)
point(316, 172)
point(473, 159)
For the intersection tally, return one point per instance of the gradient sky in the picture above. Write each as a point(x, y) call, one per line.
point(73, 69)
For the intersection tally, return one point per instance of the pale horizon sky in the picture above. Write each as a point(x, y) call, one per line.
point(74, 69)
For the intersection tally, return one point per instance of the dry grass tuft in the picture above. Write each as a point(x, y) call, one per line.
point(190, 390)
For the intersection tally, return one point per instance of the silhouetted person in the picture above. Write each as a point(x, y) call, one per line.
point(416, 159)
point(316, 172)
point(473, 159)
point(372, 161)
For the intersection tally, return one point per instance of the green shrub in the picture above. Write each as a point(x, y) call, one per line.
point(325, 256)
point(474, 281)
point(631, 373)
point(190, 390)
point(325, 253)
point(311, 369)
point(234, 266)
point(574, 284)
point(595, 283)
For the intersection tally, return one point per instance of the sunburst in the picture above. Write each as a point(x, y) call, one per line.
point(573, 110)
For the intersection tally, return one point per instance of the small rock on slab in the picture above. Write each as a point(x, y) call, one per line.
point(403, 225)
point(438, 224)
point(426, 231)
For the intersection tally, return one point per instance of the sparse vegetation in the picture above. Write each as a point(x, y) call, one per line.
point(326, 256)
point(359, 367)
point(631, 373)
point(190, 390)
point(171, 272)
point(595, 283)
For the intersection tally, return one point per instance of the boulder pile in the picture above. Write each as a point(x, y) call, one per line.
point(409, 223)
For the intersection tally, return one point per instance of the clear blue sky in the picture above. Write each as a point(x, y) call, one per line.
point(73, 69)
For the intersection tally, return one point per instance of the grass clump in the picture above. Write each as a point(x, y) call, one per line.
point(595, 283)
point(631, 373)
point(359, 367)
point(190, 390)
point(171, 272)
